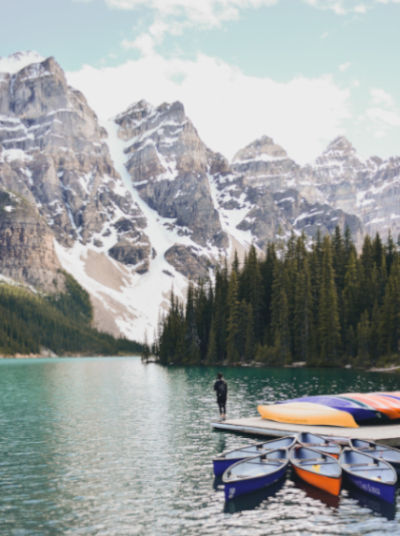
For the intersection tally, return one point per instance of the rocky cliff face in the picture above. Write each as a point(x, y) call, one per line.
point(168, 166)
point(140, 205)
point(368, 189)
point(54, 159)
point(268, 195)
point(27, 252)
point(58, 151)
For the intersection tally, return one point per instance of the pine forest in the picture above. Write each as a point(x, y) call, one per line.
point(322, 304)
point(60, 324)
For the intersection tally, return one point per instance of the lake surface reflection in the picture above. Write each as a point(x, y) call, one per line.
point(114, 447)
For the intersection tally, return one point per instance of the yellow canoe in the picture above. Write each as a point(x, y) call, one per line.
point(307, 413)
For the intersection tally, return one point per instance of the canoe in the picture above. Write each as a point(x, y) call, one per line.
point(316, 468)
point(228, 458)
point(252, 474)
point(360, 412)
point(307, 413)
point(251, 501)
point(320, 443)
point(389, 454)
point(386, 405)
point(370, 474)
point(394, 394)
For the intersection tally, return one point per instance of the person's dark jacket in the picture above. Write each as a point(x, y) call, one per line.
point(221, 388)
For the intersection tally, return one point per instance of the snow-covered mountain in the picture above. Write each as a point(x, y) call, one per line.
point(135, 207)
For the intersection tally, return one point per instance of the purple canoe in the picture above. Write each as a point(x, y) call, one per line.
point(360, 412)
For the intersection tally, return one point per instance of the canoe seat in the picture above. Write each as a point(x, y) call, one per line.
point(363, 464)
point(380, 469)
point(311, 460)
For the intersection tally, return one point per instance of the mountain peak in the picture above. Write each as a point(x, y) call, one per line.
point(340, 143)
point(17, 61)
point(261, 148)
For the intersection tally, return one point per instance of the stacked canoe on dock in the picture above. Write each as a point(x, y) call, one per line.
point(318, 460)
point(349, 410)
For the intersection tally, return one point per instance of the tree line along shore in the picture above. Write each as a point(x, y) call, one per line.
point(34, 325)
point(324, 304)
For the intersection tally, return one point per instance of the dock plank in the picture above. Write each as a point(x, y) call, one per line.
point(383, 433)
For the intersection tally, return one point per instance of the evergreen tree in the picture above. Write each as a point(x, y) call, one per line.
point(390, 318)
point(302, 321)
point(191, 338)
point(249, 345)
point(250, 289)
point(234, 333)
point(363, 341)
point(328, 315)
point(280, 320)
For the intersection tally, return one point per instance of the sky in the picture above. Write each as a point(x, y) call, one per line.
point(300, 71)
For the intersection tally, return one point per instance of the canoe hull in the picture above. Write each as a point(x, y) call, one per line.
point(237, 488)
point(220, 466)
point(307, 413)
point(228, 458)
point(384, 404)
point(326, 483)
point(377, 489)
point(372, 475)
point(359, 413)
point(316, 468)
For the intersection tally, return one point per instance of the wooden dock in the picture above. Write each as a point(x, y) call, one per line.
point(383, 433)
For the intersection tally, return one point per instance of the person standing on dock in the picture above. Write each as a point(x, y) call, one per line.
point(221, 389)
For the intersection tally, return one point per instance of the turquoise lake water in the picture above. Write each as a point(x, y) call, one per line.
point(114, 447)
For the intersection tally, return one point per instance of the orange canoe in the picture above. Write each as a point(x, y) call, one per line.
point(385, 404)
point(320, 470)
point(307, 413)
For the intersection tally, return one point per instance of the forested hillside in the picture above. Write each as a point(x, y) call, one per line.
point(60, 323)
point(324, 305)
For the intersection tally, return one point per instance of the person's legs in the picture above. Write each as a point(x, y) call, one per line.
point(224, 410)
point(221, 407)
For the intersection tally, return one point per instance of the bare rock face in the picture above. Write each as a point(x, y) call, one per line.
point(188, 262)
point(268, 196)
point(368, 189)
point(55, 154)
point(26, 246)
point(265, 163)
point(169, 164)
point(169, 167)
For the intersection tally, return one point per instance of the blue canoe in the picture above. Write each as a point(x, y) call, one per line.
point(320, 443)
point(372, 475)
point(360, 412)
point(252, 474)
point(389, 454)
point(228, 458)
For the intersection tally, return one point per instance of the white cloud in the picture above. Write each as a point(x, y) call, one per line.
point(344, 66)
point(388, 118)
point(360, 8)
point(382, 117)
point(228, 108)
point(341, 7)
point(381, 97)
point(207, 12)
point(146, 42)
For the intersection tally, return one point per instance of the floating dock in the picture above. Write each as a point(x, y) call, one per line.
point(382, 433)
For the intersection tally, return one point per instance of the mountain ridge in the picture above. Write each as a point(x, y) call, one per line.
point(139, 205)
